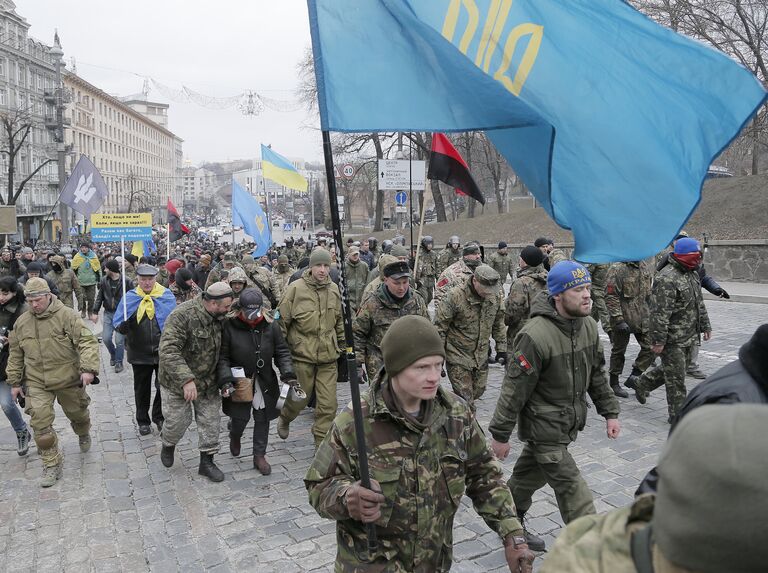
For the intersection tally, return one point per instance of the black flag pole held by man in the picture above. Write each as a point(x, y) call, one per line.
point(354, 381)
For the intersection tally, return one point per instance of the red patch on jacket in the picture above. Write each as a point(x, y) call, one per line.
point(442, 283)
point(522, 362)
point(610, 290)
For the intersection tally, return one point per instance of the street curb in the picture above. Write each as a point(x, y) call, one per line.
point(755, 299)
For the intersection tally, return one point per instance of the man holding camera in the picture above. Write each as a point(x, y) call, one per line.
point(56, 355)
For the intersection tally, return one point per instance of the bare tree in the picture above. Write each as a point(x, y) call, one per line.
point(496, 167)
point(738, 28)
point(138, 195)
point(16, 125)
point(307, 88)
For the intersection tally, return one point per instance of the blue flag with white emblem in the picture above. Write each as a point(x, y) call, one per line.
point(610, 119)
point(247, 213)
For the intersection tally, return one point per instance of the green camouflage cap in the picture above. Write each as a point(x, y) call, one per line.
point(488, 277)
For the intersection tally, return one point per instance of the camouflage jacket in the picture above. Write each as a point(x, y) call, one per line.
point(556, 256)
point(218, 273)
point(311, 320)
point(281, 278)
point(162, 277)
point(189, 349)
point(294, 255)
point(678, 314)
point(65, 281)
point(428, 265)
point(457, 273)
point(51, 349)
point(555, 364)
point(599, 275)
point(502, 264)
point(373, 320)
point(466, 323)
point(184, 295)
point(529, 283)
point(423, 475)
point(265, 280)
point(357, 277)
point(446, 258)
point(627, 294)
point(598, 543)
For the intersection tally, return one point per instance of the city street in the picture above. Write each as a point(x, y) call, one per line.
point(118, 509)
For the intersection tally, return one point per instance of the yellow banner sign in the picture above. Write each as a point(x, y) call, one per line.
point(121, 220)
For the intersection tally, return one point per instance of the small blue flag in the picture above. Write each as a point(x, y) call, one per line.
point(610, 119)
point(247, 213)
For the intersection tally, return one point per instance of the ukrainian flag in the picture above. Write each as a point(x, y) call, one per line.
point(279, 169)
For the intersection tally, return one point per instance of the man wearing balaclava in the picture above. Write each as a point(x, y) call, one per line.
point(678, 319)
point(65, 280)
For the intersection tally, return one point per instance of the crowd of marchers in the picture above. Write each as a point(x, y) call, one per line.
point(212, 330)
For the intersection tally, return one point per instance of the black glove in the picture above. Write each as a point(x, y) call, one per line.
point(342, 367)
point(721, 292)
point(622, 327)
point(501, 358)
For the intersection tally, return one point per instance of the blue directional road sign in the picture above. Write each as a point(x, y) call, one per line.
point(400, 198)
point(287, 227)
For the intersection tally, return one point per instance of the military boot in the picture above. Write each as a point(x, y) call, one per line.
point(23, 439)
point(618, 390)
point(535, 543)
point(633, 382)
point(51, 474)
point(282, 428)
point(634, 374)
point(85, 443)
point(166, 455)
point(695, 372)
point(209, 469)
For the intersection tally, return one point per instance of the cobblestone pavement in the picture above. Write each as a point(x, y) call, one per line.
point(118, 509)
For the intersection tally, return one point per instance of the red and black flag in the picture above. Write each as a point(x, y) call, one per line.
point(176, 229)
point(446, 165)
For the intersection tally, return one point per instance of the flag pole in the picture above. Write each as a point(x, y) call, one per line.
point(354, 383)
point(122, 262)
point(421, 233)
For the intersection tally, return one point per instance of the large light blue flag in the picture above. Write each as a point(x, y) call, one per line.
point(247, 213)
point(610, 119)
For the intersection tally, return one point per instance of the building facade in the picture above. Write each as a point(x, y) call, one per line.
point(27, 98)
point(139, 159)
point(200, 185)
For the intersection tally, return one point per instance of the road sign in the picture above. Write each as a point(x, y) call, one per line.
point(287, 227)
point(399, 174)
point(400, 198)
point(348, 171)
point(114, 226)
point(400, 209)
point(74, 230)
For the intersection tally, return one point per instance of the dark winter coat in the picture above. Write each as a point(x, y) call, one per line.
point(110, 293)
point(743, 381)
point(142, 340)
point(242, 346)
point(8, 314)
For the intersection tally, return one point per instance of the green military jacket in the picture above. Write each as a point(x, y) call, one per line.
point(294, 255)
point(601, 543)
point(555, 364)
point(189, 349)
point(163, 277)
point(423, 469)
point(51, 349)
point(502, 264)
point(458, 273)
point(311, 320)
point(65, 281)
point(466, 323)
point(446, 258)
point(282, 274)
point(628, 293)
point(357, 277)
point(529, 283)
point(678, 314)
point(374, 318)
point(427, 271)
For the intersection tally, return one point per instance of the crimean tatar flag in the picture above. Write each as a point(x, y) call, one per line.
point(278, 169)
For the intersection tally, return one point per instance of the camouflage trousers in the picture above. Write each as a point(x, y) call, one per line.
point(86, 296)
point(178, 416)
point(600, 310)
point(671, 373)
point(427, 290)
point(542, 464)
point(469, 383)
point(73, 401)
point(67, 299)
point(619, 343)
point(322, 379)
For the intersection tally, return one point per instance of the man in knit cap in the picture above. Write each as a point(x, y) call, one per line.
point(713, 465)
point(557, 360)
point(502, 263)
point(313, 326)
point(531, 280)
point(426, 452)
point(458, 272)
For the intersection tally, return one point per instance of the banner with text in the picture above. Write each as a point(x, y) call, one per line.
point(116, 226)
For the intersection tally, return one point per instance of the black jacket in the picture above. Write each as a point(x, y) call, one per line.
point(200, 274)
point(706, 281)
point(8, 315)
point(242, 346)
point(110, 294)
point(742, 381)
point(142, 339)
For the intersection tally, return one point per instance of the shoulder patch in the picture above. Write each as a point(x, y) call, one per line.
point(610, 289)
point(442, 282)
point(522, 362)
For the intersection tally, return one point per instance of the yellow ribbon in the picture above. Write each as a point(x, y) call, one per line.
point(147, 304)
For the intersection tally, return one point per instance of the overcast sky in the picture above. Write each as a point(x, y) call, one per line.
point(220, 49)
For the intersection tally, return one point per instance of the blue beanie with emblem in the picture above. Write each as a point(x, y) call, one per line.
point(686, 245)
point(567, 275)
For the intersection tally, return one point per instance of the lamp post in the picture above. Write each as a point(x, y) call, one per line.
point(58, 55)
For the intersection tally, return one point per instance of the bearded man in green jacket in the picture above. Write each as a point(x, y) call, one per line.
point(557, 360)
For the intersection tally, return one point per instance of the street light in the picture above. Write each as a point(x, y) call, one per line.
point(58, 55)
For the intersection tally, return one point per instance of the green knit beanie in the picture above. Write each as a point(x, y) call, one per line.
point(711, 507)
point(320, 257)
point(408, 339)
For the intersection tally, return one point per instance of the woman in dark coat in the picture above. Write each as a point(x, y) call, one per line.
point(252, 342)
